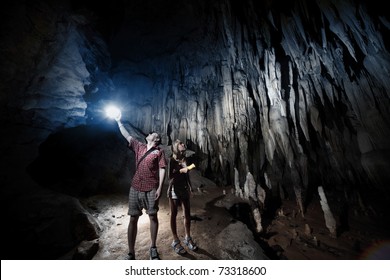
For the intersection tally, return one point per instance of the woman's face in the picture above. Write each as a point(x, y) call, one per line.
point(181, 147)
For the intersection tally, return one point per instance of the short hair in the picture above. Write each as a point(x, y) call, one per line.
point(158, 140)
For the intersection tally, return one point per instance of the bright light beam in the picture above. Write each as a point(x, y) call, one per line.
point(113, 112)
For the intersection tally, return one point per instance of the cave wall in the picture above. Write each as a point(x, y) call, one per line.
point(293, 92)
point(46, 65)
point(275, 97)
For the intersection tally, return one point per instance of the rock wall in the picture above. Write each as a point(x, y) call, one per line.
point(293, 92)
point(275, 97)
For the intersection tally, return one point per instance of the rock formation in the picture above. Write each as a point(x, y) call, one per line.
point(274, 97)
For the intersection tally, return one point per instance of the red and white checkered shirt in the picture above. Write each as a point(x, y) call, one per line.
point(146, 176)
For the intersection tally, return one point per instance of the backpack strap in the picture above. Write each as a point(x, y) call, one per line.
point(144, 156)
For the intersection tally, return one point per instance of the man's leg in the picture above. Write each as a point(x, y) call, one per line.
point(153, 236)
point(153, 229)
point(152, 209)
point(134, 213)
point(132, 233)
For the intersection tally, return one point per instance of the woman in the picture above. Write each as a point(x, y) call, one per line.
point(179, 190)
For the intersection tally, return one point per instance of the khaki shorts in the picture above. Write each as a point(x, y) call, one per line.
point(142, 200)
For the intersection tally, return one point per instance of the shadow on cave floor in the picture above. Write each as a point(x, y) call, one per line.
point(208, 220)
point(288, 235)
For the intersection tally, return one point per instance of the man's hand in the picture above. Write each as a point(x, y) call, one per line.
point(118, 117)
point(158, 194)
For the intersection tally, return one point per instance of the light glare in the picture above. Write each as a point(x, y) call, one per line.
point(113, 112)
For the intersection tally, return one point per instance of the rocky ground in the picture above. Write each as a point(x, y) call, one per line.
point(222, 232)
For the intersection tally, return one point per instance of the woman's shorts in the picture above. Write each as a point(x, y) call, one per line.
point(179, 193)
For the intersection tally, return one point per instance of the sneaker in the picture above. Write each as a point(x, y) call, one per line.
point(129, 256)
point(154, 254)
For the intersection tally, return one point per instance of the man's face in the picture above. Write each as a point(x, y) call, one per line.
point(153, 137)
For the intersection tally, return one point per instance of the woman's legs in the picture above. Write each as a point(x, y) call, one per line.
point(177, 247)
point(187, 216)
point(187, 225)
point(173, 205)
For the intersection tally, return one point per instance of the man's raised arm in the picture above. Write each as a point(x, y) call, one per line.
point(122, 128)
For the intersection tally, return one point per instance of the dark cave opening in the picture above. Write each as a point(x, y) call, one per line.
point(79, 161)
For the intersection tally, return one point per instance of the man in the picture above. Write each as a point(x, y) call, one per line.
point(146, 186)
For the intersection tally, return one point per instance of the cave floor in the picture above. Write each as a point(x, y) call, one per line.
point(288, 236)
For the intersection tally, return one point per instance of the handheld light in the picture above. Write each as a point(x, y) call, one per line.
point(113, 112)
point(192, 166)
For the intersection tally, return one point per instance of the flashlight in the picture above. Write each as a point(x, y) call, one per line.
point(192, 166)
point(113, 112)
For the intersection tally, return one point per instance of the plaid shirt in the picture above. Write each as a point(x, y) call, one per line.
point(146, 176)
